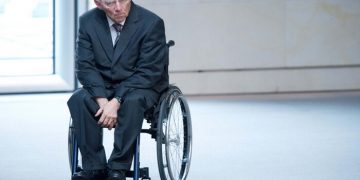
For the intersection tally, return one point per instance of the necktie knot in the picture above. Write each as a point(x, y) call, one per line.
point(117, 27)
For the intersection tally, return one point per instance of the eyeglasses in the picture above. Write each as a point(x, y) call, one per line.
point(112, 3)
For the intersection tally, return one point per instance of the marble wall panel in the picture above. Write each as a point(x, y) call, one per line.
point(247, 46)
point(224, 34)
point(322, 32)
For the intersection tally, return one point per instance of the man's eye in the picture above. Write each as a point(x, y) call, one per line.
point(109, 3)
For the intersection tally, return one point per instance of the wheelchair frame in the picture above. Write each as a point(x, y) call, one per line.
point(170, 126)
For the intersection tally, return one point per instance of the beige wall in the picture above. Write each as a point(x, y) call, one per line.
point(262, 46)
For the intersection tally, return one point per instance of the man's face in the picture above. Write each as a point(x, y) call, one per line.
point(117, 10)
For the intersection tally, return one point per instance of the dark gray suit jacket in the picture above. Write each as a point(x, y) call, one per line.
point(140, 59)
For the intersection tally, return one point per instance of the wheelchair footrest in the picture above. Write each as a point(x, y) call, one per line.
point(143, 173)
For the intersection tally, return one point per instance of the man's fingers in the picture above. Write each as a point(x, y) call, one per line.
point(98, 112)
point(102, 119)
point(112, 124)
point(106, 122)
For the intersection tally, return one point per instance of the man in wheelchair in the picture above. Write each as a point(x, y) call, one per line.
point(121, 61)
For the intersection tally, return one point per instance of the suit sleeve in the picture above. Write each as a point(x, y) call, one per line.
point(86, 71)
point(151, 62)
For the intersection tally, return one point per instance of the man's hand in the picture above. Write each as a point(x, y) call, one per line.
point(101, 102)
point(108, 112)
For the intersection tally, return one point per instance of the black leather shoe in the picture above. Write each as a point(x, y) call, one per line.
point(116, 175)
point(90, 175)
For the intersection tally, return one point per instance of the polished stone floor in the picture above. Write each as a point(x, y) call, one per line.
point(255, 137)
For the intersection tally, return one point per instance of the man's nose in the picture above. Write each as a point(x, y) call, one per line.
point(118, 5)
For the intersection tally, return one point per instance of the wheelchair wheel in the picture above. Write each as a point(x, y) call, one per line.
point(174, 136)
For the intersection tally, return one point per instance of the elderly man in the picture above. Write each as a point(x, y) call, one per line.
point(121, 61)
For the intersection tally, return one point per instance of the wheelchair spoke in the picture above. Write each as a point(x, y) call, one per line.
point(174, 114)
point(175, 157)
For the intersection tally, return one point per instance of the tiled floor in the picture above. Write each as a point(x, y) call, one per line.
point(264, 137)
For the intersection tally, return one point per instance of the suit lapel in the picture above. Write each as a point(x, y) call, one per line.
point(104, 35)
point(128, 30)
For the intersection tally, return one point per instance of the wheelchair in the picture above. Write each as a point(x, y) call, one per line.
point(170, 126)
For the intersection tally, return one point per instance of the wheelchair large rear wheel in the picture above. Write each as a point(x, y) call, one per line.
point(174, 136)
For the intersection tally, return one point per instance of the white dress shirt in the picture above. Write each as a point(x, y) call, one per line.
point(112, 29)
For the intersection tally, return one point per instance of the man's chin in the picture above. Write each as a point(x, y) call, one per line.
point(119, 20)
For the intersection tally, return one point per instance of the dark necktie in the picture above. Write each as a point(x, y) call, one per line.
point(118, 28)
